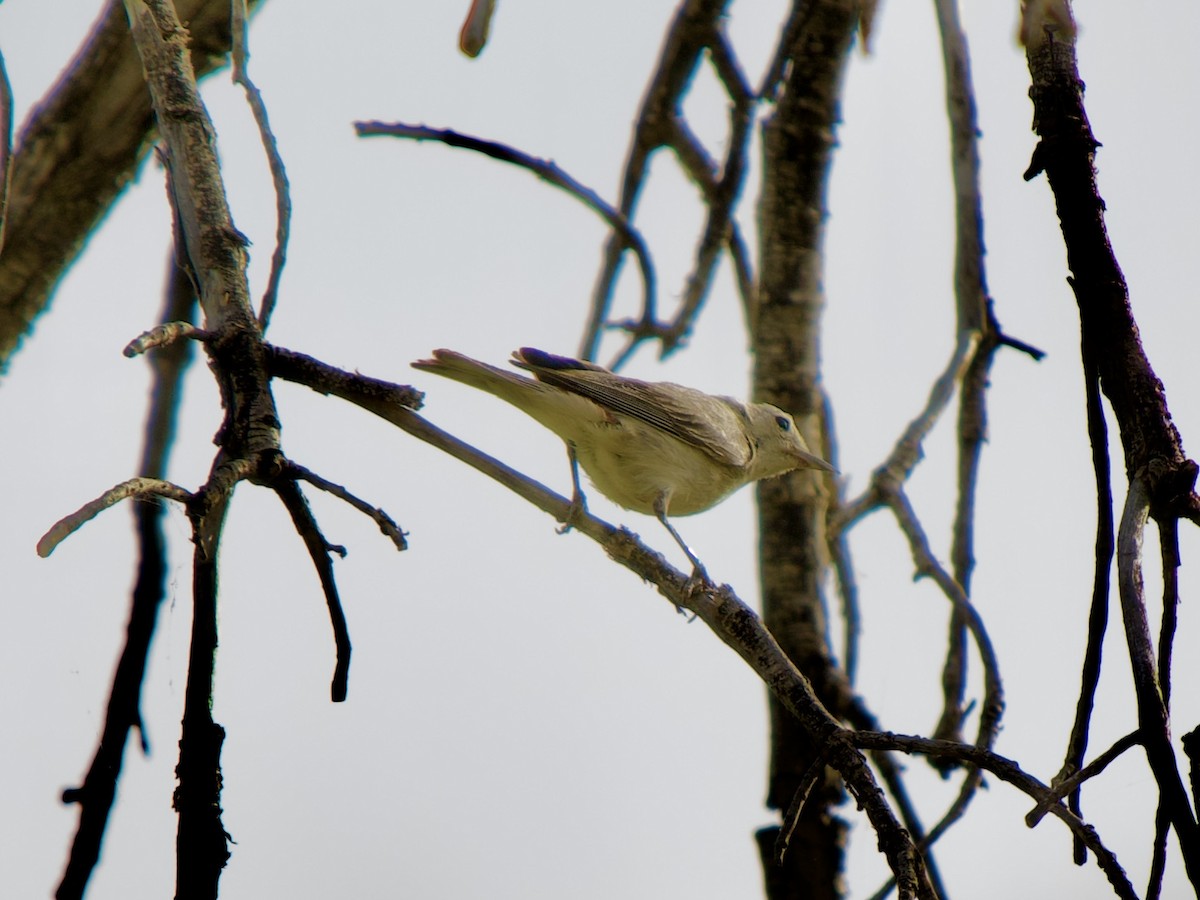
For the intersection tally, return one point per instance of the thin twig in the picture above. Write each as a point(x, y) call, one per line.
point(133, 487)
point(283, 194)
point(385, 522)
point(1103, 552)
point(1009, 771)
point(927, 565)
point(164, 335)
point(1158, 856)
point(720, 187)
point(1153, 718)
point(743, 271)
point(1168, 540)
point(892, 774)
point(692, 29)
point(798, 16)
point(326, 379)
point(1063, 786)
point(474, 34)
point(972, 314)
point(847, 580)
point(993, 705)
point(544, 169)
point(791, 816)
point(908, 449)
point(318, 550)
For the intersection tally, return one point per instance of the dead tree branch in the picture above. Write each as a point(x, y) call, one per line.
point(694, 27)
point(631, 239)
point(283, 194)
point(1161, 479)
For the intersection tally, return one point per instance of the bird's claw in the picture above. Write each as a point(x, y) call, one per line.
point(697, 581)
point(575, 514)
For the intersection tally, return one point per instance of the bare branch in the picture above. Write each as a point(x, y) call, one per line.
point(215, 256)
point(134, 487)
point(720, 187)
point(1006, 770)
point(908, 449)
point(1066, 153)
point(326, 379)
point(1077, 742)
point(1153, 718)
point(385, 522)
point(1168, 540)
point(546, 170)
point(283, 194)
point(163, 336)
point(474, 34)
point(201, 847)
point(1061, 788)
point(791, 816)
point(927, 565)
point(319, 550)
point(973, 314)
point(693, 28)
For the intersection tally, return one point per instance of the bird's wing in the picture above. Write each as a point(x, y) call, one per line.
point(714, 425)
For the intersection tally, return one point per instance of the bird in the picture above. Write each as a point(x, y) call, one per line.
point(655, 448)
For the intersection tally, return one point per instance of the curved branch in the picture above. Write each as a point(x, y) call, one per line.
point(318, 550)
point(386, 523)
point(133, 487)
point(1071, 785)
point(720, 187)
point(1009, 771)
point(694, 27)
point(548, 171)
point(283, 194)
point(1153, 718)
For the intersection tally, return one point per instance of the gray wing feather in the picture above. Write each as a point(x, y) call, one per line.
point(715, 425)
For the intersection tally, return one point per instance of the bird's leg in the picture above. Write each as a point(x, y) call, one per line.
point(578, 508)
point(699, 576)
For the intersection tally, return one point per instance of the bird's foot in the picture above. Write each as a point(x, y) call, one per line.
point(575, 513)
point(698, 582)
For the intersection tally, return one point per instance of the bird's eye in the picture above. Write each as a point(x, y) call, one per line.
point(784, 423)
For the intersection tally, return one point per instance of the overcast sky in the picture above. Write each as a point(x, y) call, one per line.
point(525, 719)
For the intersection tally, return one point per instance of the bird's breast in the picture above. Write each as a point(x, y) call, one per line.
point(632, 464)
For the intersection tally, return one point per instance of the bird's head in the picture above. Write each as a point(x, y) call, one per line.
point(778, 445)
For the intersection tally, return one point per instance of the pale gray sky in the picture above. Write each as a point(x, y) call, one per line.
point(525, 719)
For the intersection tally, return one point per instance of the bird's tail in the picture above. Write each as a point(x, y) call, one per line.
point(561, 411)
point(522, 392)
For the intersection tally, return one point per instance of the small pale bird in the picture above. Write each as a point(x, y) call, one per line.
point(653, 447)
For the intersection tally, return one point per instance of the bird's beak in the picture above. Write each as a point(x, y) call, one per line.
point(812, 461)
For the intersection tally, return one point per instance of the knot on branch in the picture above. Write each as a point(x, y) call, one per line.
point(1060, 149)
